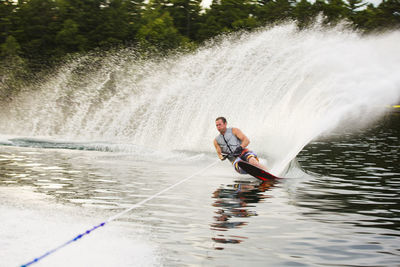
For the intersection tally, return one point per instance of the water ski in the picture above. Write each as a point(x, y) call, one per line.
point(255, 171)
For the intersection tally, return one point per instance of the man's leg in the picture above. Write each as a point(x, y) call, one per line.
point(252, 158)
point(254, 161)
point(237, 168)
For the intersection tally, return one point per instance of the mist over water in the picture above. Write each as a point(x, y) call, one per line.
point(282, 87)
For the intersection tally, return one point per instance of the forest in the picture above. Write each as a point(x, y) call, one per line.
point(36, 35)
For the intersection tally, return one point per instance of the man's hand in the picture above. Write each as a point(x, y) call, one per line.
point(238, 151)
point(223, 156)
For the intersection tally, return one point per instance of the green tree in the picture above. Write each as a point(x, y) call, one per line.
point(304, 13)
point(275, 10)
point(365, 19)
point(354, 5)
point(159, 33)
point(7, 7)
point(134, 9)
point(334, 10)
point(69, 38)
point(353, 11)
point(388, 14)
point(36, 25)
point(88, 15)
point(45, 30)
point(12, 68)
point(114, 26)
point(10, 48)
point(185, 14)
point(226, 16)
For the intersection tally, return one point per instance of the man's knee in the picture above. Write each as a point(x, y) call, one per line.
point(249, 155)
point(237, 168)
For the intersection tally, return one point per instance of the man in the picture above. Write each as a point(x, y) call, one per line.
point(232, 142)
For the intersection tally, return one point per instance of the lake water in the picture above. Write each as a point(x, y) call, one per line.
point(339, 204)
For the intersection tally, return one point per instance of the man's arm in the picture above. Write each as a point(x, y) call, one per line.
point(241, 136)
point(218, 148)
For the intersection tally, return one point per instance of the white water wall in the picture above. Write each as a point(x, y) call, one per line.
point(281, 87)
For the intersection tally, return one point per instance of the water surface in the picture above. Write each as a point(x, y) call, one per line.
point(343, 209)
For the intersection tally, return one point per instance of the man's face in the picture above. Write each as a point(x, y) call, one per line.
point(221, 126)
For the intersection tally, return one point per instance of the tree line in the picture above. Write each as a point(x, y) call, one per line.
point(37, 33)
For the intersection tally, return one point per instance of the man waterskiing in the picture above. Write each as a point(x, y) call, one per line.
point(231, 143)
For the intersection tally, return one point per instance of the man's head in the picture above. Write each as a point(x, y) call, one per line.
point(221, 123)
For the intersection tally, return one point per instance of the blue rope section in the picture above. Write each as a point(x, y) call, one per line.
point(116, 216)
point(63, 245)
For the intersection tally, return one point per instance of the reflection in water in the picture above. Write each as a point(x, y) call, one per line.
point(361, 178)
point(234, 203)
point(75, 177)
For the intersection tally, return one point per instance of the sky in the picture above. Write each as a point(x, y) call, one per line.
point(206, 3)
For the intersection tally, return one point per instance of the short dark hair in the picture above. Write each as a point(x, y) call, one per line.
point(221, 118)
